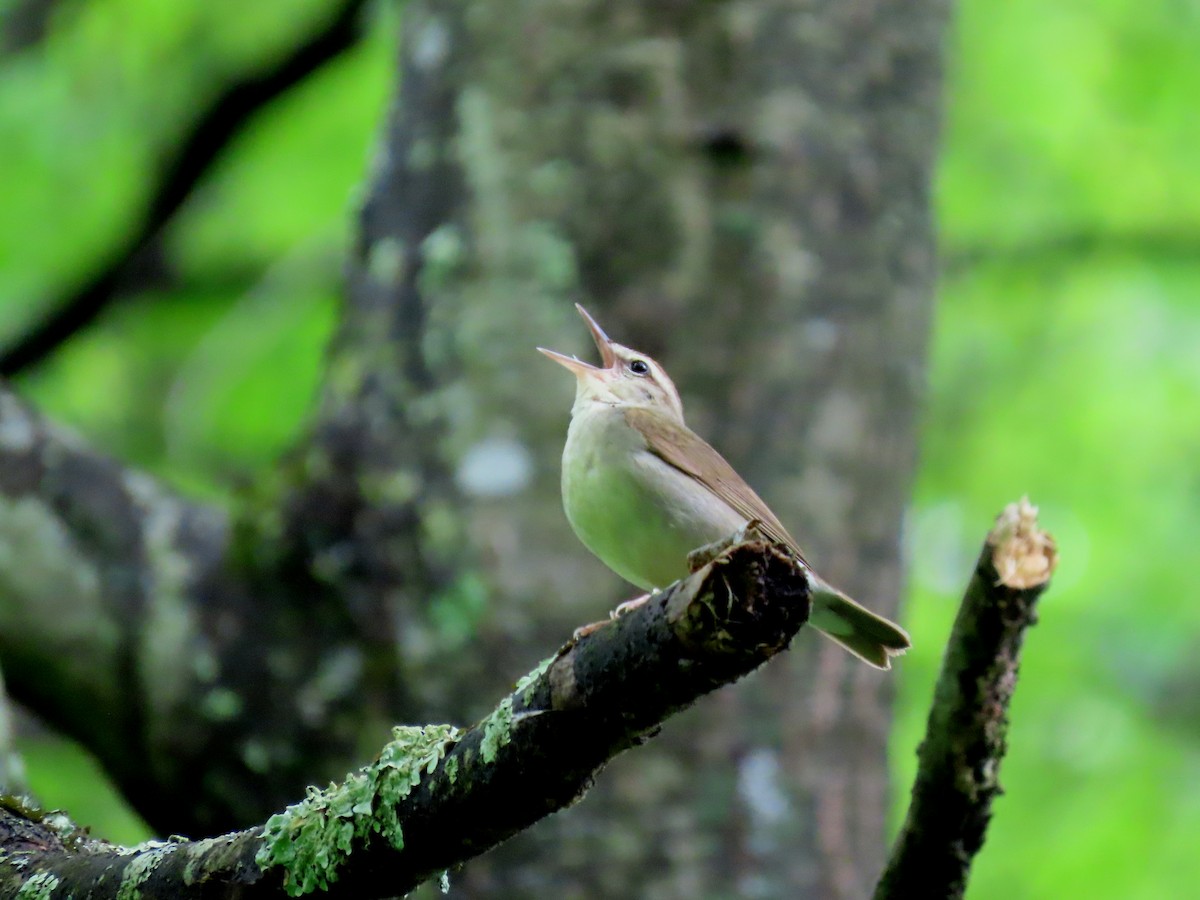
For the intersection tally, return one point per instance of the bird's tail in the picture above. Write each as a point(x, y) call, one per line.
point(871, 638)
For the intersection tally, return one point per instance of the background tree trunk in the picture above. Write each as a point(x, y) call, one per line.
point(741, 190)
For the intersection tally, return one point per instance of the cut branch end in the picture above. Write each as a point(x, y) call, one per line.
point(1023, 554)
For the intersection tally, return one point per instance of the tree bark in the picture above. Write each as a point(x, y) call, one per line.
point(154, 631)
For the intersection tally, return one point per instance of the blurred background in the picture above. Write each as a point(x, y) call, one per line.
point(1066, 355)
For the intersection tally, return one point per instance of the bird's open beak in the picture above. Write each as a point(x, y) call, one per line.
point(603, 344)
point(578, 366)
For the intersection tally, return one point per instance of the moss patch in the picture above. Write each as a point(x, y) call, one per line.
point(497, 728)
point(40, 887)
point(311, 839)
point(140, 868)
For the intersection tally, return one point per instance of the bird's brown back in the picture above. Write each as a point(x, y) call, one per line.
point(680, 447)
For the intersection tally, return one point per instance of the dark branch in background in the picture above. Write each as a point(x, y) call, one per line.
point(1069, 247)
point(12, 767)
point(25, 24)
point(210, 135)
point(535, 754)
point(959, 760)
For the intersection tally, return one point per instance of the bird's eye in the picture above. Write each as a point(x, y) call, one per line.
point(639, 367)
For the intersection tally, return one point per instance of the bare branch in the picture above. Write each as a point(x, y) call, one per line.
point(435, 798)
point(211, 133)
point(25, 24)
point(959, 760)
point(1069, 247)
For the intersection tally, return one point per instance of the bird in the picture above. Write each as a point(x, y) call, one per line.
point(641, 490)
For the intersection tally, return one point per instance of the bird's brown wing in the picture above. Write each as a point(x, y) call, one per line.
point(682, 448)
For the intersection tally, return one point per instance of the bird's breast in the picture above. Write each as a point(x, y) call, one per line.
point(638, 514)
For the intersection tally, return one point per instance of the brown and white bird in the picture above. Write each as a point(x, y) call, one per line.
point(642, 490)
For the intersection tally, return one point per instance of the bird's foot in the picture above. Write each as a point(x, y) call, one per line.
point(628, 606)
point(622, 608)
point(585, 630)
point(702, 556)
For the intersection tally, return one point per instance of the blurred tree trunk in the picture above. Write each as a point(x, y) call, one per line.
point(741, 190)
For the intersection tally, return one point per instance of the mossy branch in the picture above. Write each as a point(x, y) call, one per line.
point(959, 760)
point(436, 797)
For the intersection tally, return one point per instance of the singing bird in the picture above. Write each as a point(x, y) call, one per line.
point(642, 490)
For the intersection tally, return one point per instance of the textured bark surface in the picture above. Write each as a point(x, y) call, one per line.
point(143, 626)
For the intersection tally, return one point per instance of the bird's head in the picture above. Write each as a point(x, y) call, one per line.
point(625, 377)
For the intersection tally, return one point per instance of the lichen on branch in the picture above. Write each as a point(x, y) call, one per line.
point(436, 796)
point(311, 839)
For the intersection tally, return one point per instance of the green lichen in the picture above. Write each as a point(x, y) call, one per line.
point(486, 166)
point(497, 728)
point(140, 868)
point(386, 260)
point(452, 769)
point(211, 855)
point(191, 869)
point(390, 487)
point(526, 682)
point(311, 839)
point(170, 620)
point(68, 832)
point(40, 887)
point(443, 252)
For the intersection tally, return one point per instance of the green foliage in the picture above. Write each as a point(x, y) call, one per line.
point(1066, 366)
point(457, 611)
point(1070, 115)
point(312, 838)
point(206, 380)
point(62, 775)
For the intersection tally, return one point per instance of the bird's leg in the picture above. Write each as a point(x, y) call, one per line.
point(629, 606)
point(622, 609)
point(702, 556)
point(585, 630)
